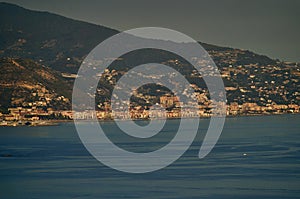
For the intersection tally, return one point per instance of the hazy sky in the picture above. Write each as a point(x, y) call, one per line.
point(269, 27)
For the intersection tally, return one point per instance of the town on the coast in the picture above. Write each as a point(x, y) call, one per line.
point(251, 89)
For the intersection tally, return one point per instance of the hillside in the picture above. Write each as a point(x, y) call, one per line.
point(56, 41)
point(26, 83)
point(47, 38)
point(36, 48)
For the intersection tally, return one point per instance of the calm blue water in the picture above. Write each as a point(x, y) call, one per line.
point(51, 162)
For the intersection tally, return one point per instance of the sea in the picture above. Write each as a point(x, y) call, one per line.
point(255, 157)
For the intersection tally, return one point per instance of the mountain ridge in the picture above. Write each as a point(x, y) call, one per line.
point(61, 44)
point(46, 37)
point(50, 38)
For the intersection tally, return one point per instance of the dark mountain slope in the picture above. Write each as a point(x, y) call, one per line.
point(46, 37)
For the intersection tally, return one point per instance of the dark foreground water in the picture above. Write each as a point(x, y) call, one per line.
point(51, 162)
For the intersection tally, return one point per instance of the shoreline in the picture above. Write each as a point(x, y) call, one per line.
point(57, 122)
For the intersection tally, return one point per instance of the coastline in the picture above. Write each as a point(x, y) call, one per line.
point(57, 122)
point(33, 123)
